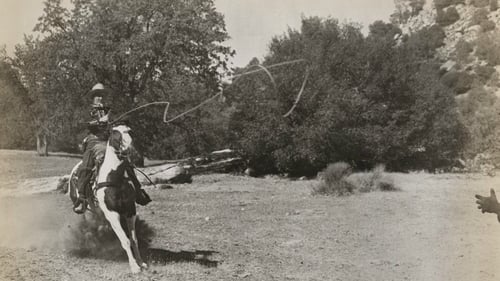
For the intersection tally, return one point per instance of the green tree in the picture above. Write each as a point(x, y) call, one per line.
point(16, 125)
point(144, 51)
point(374, 99)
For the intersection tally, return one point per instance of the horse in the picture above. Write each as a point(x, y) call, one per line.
point(114, 195)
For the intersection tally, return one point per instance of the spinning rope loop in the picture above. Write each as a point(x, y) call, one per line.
point(220, 94)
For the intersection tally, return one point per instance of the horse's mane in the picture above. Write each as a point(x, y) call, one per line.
point(115, 139)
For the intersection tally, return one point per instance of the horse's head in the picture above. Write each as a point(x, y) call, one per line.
point(121, 141)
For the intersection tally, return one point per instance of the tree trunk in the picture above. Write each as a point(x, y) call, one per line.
point(42, 145)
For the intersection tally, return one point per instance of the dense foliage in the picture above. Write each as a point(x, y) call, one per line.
point(368, 100)
point(16, 125)
point(447, 16)
point(143, 51)
point(441, 4)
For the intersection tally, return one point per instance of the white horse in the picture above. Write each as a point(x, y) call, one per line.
point(115, 196)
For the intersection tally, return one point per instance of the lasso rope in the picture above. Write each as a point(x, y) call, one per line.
point(194, 108)
point(235, 77)
point(146, 105)
point(299, 95)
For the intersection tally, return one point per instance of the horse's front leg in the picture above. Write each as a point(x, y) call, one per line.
point(114, 219)
point(133, 237)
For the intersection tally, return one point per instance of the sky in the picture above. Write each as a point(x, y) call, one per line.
point(250, 23)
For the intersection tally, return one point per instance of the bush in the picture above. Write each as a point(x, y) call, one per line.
point(480, 110)
point(335, 172)
point(462, 51)
point(488, 48)
point(487, 25)
point(459, 81)
point(337, 179)
point(480, 3)
point(427, 40)
point(375, 180)
point(493, 5)
point(417, 6)
point(447, 17)
point(333, 180)
point(479, 16)
point(441, 4)
point(484, 72)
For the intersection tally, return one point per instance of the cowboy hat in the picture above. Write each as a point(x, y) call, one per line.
point(98, 90)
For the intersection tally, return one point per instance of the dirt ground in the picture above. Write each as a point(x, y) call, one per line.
point(224, 227)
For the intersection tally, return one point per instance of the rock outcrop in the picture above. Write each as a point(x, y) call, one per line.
point(471, 38)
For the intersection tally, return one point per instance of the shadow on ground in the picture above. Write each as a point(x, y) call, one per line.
point(161, 256)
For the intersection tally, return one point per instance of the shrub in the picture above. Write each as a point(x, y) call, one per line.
point(488, 48)
point(427, 40)
point(487, 25)
point(480, 3)
point(479, 16)
point(441, 4)
point(459, 81)
point(462, 51)
point(333, 180)
point(447, 17)
point(375, 180)
point(417, 6)
point(484, 72)
point(337, 179)
point(335, 172)
point(480, 110)
point(493, 5)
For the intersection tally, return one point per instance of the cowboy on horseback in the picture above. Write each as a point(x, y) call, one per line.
point(94, 148)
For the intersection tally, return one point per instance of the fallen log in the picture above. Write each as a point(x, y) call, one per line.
point(166, 173)
point(223, 166)
point(182, 170)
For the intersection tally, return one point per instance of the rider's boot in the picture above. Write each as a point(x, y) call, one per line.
point(84, 176)
point(80, 205)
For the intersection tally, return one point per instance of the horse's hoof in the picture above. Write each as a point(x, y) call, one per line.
point(135, 269)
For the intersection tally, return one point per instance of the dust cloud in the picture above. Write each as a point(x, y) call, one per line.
point(43, 222)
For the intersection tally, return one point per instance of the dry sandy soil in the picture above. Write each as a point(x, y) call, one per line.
point(224, 227)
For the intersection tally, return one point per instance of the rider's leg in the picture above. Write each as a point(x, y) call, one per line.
point(141, 197)
point(84, 174)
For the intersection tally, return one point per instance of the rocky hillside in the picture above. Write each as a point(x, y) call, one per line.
point(472, 36)
point(470, 55)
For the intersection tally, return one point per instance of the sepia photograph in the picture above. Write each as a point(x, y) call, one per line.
point(342, 140)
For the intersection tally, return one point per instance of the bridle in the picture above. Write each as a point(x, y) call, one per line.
point(116, 142)
point(122, 154)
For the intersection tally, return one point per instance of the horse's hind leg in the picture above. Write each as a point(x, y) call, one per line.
point(114, 220)
point(133, 237)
